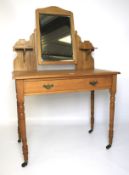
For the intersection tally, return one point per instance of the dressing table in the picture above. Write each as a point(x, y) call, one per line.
point(53, 42)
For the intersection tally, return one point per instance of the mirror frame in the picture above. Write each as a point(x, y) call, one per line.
point(54, 11)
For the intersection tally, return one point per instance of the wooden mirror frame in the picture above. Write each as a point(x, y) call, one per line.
point(55, 11)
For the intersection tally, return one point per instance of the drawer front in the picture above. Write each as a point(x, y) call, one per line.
point(67, 85)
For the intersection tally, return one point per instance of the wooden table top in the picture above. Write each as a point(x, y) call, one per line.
point(60, 74)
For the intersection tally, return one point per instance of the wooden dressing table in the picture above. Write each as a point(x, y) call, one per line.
point(30, 81)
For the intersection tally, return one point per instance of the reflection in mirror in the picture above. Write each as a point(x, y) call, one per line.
point(55, 37)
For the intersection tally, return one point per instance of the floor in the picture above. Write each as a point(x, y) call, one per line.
point(65, 150)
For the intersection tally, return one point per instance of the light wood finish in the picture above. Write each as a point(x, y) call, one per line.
point(61, 73)
point(30, 81)
point(92, 112)
point(28, 51)
point(27, 54)
point(55, 11)
point(46, 82)
point(84, 51)
point(112, 108)
point(26, 57)
point(21, 117)
point(65, 85)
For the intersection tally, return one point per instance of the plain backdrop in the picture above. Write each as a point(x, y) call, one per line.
point(106, 24)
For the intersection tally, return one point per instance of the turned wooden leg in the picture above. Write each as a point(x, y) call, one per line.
point(18, 129)
point(112, 111)
point(22, 127)
point(92, 112)
point(19, 134)
point(111, 121)
point(21, 120)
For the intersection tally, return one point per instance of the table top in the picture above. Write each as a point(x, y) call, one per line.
point(61, 73)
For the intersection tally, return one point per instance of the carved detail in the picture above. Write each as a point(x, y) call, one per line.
point(26, 54)
point(26, 58)
point(23, 129)
point(21, 117)
point(83, 50)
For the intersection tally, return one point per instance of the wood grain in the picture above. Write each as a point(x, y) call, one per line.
point(66, 85)
point(21, 117)
point(30, 81)
point(92, 110)
point(112, 108)
point(26, 56)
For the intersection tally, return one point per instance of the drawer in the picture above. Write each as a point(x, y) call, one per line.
point(66, 85)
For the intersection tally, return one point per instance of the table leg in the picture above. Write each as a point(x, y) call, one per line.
point(112, 111)
point(92, 112)
point(21, 119)
point(111, 122)
point(19, 134)
point(18, 129)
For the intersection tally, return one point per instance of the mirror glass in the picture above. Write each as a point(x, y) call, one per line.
point(55, 37)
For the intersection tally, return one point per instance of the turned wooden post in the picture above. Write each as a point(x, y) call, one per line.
point(112, 110)
point(92, 112)
point(19, 134)
point(21, 119)
point(18, 129)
